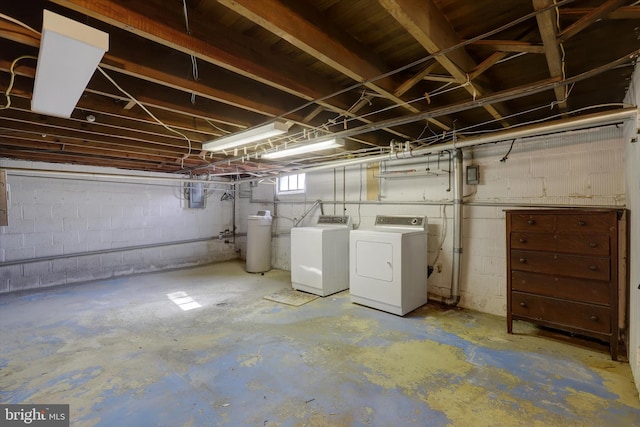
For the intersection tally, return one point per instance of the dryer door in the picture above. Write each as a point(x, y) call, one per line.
point(374, 259)
point(376, 269)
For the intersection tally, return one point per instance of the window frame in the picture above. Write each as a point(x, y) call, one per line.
point(300, 188)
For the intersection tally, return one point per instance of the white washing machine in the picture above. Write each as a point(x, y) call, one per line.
point(388, 264)
point(320, 256)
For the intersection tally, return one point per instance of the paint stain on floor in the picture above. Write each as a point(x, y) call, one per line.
point(122, 353)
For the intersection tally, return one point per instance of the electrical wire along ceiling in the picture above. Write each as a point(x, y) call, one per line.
point(183, 83)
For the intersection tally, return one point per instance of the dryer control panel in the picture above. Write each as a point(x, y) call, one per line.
point(401, 221)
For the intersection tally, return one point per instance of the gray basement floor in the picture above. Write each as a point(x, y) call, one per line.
point(122, 353)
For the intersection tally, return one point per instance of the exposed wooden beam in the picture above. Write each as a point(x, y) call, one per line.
point(547, 24)
point(492, 60)
point(510, 46)
point(424, 21)
point(588, 19)
point(237, 60)
point(94, 131)
point(624, 12)
point(70, 146)
point(255, 103)
point(242, 59)
point(328, 45)
point(415, 79)
point(496, 57)
point(53, 133)
point(102, 87)
point(437, 78)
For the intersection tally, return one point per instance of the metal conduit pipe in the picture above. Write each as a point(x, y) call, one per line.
point(454, 297)
point(574, 123)
point(365, 202)
point(45, 172)
point(454, 293)
point(106, 251)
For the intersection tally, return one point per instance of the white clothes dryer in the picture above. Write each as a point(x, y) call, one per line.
point(320, 256)
point(388, 264)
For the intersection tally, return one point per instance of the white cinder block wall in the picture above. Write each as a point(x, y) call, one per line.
point(632, 157)
point(65, 216)
point(582, 168)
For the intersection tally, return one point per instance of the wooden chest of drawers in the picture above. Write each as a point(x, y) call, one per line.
point(562, 271)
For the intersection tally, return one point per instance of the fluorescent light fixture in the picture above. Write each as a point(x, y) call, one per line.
point(304, 148)
point(68, 57)
point(247, 137)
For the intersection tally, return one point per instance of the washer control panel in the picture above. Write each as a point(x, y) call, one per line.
point(334, 220)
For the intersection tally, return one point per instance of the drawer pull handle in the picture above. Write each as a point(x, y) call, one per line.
point(522, 260)
point(594, 318)
point(531, 222)
point(593, 267)
point(592, 245)
point(582, 223)
point(523, 304)
point(523, 241)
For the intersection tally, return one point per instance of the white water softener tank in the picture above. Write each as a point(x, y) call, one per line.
point(259, 242)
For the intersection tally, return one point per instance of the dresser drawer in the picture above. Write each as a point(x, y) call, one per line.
point(562, 312)
point(589, 291)
point(583, 244)
point(533, 222)
point(586, 223)
point(533, 241)
point(585, 267)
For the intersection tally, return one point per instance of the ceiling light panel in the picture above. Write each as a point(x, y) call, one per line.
point(68, 57)
point(304, 148)
point(247, 137)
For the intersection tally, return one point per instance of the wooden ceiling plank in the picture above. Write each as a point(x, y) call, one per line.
point(53, 157)
point(437, 78)
point(492, 60)
point(115, 111)
point(290, 79)
point(624, 12)
point(424, 21)
point(105, 88)
point(53, 131)
point(20, 111)
point(140, 24)
point(588, 19)
point(136, 69)
point(415, 79)
point(350, 59)
point(71, 146)
point(510, 46)
point(547, 24)
point(111, 13)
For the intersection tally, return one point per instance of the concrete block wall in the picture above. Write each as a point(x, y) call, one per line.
point(581, 168)
point(632, 180)
point(65, 217)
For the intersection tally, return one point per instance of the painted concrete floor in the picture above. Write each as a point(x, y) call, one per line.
point(121, 353)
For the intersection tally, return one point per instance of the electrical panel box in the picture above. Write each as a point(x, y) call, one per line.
point(195, 195)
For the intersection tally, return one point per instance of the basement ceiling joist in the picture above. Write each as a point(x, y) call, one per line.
point(374, 71)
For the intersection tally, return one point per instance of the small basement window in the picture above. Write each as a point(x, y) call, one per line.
point(291, 184)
